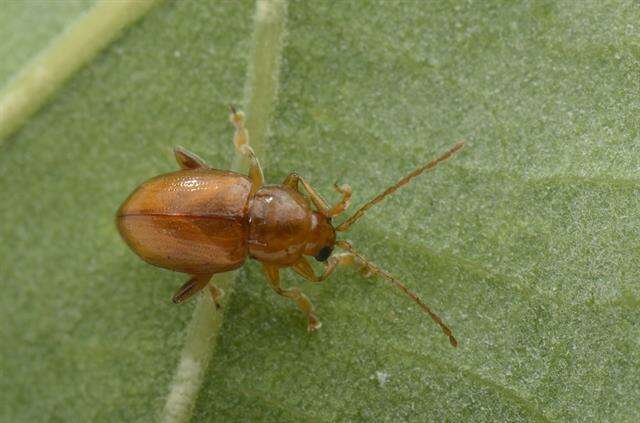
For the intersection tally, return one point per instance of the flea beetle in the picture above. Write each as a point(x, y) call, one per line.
point(202, 221)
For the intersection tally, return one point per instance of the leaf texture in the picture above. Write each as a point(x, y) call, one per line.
point(526, 243)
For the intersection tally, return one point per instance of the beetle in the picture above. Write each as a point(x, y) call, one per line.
point(203, 221)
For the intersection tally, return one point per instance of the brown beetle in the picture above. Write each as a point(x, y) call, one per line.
point(202, 221)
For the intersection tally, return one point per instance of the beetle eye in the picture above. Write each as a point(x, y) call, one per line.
point(324, 254)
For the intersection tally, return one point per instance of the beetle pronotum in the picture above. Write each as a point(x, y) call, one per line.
point(202, 221)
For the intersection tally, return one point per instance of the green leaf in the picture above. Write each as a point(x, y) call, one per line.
point(30, 25)
point(526, 243)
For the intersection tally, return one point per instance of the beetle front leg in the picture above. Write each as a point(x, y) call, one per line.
point(241, 142)
point(343, 204)
point(294, 294)
point(292, 181)
point(304, 269)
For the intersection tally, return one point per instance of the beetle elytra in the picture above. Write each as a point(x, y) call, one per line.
point(203, 221)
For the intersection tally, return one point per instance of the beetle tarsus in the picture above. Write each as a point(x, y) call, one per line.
point(314, 325)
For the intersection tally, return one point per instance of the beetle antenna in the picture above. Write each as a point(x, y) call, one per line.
point(375, 270)
point(344, 226)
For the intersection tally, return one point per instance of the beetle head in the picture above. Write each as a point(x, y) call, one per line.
point(322, 237)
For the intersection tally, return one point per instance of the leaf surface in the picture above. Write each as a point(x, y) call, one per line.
point(526, 243)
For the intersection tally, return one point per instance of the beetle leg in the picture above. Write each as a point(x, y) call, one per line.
point(241, 142)
point(343, 204)
point(189, 160)
point(255, 171)
point(190, 287)
point(304, 269)
point(294, 294)
point(292, 181)
point(216, 295)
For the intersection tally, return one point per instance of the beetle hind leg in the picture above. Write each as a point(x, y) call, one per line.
point(294, 294)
